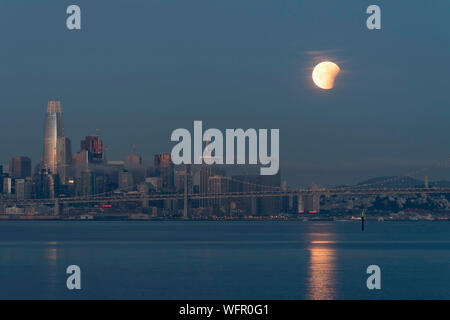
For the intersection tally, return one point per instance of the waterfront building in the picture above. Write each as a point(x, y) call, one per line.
point(23, 189)
point(7, 185)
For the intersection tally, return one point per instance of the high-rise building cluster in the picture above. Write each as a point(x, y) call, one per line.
point(61, 173)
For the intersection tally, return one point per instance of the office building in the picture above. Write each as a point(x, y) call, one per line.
point(20, 167)
point(134, 165)
point(154, 182)
point(165, 169)
point(80, 163)
point(87, 183)
point(64, 159)
point(53, 130)
point(218, 184)
point(23, 189)
point(44, 185)
point(7, 185)
point(94, 146)
point(126, 182)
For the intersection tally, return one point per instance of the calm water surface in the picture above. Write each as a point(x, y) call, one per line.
point(224, 260)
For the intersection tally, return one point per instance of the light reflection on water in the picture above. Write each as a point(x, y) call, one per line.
point(322, 276)
point(51, 255)
point(216, 260)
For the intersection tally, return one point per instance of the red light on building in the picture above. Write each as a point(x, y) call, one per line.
point(313, 211)
point(106, 205)
point(301, 211)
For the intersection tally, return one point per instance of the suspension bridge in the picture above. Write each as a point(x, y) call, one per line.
point(256, 191)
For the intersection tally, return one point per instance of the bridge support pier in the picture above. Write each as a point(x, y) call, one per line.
point(185, 204)
point(253, 206)
point(185, 196)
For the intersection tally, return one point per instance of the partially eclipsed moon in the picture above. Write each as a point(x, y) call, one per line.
point(324, 74)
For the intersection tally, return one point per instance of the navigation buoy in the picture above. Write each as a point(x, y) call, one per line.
point(362, 220)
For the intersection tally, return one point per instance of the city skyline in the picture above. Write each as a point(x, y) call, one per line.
point(138, 79)
point(221, 155)
point(57, 153)
point(208, 189)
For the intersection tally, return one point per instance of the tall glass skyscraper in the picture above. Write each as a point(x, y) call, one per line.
point(53, 131)
point(64, 158)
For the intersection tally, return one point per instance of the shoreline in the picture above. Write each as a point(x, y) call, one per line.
point(253, 219)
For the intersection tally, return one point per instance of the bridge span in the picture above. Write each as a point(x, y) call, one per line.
point(137, 197)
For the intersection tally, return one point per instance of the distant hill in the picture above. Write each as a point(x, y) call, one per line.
point(400, 182)
point(393, 182)
point(441, 183)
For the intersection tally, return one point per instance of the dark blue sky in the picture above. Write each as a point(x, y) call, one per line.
point(139, 69)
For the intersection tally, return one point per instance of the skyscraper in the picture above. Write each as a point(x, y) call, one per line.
point(126, 182)
point(44, 185)
point(134, 160)
point(205, 173)
point(87, 183)
point(134, 165)
point(218, 184)
point(164, 167)
point(64, 158)
point(80, 163)
point(20, 167)
point(53, 130)
point(7, 185)
point(95, 147)
point(23, 189)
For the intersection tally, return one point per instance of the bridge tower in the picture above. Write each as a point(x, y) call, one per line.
point(56, 209)
point(145, 201)
point(300, 207)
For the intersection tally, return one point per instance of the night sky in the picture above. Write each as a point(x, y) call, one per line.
point(140, 69)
